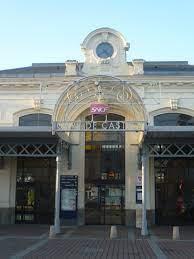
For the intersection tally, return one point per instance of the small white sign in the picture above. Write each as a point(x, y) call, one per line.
point(139, 180)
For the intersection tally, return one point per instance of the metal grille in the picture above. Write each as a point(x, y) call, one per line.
point(171, 150)
point(28, 150)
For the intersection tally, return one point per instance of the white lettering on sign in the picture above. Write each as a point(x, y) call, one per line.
point(92, 125)
point(104, 125)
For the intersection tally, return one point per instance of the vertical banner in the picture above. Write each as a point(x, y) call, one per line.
point(69, 193)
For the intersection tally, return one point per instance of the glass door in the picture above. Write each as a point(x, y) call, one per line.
point(105, 205)
point(35, 190)
point(25, 202)
point(113, 205)
point(105, 175)
point(174, 189)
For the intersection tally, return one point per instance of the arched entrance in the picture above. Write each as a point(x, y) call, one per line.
point(109, 197)
point(105, 174)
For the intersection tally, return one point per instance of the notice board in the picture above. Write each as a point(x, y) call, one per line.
point(69, 193)
point(139, 194)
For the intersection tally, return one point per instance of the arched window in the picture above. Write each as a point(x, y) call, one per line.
point(173, 119)
point(36, 119)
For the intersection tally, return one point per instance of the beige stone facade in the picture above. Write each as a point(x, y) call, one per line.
point(136, 89)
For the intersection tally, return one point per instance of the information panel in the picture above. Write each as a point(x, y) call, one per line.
point(69, 192)
point(139, 194)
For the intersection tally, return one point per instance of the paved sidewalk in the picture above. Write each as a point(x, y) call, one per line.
point(23, 230)
point(11, 246)
point(60, 248)
point(31, 241)
point(177, 249)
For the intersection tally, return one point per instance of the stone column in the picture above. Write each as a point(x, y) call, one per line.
point(131, 171)
point(57, 189)
point(144, 228)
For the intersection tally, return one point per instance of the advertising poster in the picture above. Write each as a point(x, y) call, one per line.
point(139, 189)
point(69, 190)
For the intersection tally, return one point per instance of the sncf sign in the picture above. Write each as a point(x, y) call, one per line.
point(98, 108)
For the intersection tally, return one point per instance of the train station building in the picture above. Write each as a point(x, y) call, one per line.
point(106, 141)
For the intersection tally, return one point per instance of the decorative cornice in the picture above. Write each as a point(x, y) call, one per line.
point(131, 82)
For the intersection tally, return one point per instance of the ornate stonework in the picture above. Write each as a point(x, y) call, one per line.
point(114, 65)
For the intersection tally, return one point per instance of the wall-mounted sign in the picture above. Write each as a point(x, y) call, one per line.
point(69, 191)
point(138, 194)
point(81, 126)
point(139, 189)
point(139, 180)
point(98, 108)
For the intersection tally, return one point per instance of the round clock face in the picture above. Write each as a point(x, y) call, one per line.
point(104, 50)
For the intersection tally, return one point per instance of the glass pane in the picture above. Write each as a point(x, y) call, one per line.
point(35, 190)
point(173, 119)
point(37, 119)
point(105, 175)
point(174, 191)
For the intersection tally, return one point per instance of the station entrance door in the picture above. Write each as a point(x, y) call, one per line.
point(105, 175)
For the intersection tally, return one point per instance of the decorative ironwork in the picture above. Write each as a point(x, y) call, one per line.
point(100, 126)
point(28, 150)
point(115, 90)
point(171, 150)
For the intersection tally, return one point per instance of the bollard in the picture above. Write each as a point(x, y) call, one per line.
point(175, 233)
point(52, 232)
point(113, 232)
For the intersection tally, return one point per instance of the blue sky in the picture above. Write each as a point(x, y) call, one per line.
point(51, 31)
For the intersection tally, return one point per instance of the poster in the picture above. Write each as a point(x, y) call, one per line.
point(69, 192)
point(139, 194)
point(68, 199)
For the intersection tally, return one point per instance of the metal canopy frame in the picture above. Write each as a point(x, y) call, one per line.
point(28, 150)
point(24, 141)
point(171, 150)
point(169, 141)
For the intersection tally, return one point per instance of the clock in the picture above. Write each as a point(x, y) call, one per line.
point(104, 50)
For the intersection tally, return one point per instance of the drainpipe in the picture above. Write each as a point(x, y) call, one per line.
point(57, 190)
point(144, 228)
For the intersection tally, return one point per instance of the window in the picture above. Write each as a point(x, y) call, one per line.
point(173, 119)
point(37, 119)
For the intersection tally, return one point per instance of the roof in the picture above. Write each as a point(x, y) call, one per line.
point(36, 70)
point(169, 134)
point(168, 68)
point(27, 132)
point(30, 133)
point(179, 68)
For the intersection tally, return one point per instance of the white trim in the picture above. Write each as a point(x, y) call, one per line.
point(104, 30)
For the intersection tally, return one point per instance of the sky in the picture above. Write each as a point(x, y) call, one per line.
point(45, 31)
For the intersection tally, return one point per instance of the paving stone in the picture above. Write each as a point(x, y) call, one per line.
point(11, 246)
point(60, 248)
point(94, 242)
point(23, 230)
point(177, 249)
